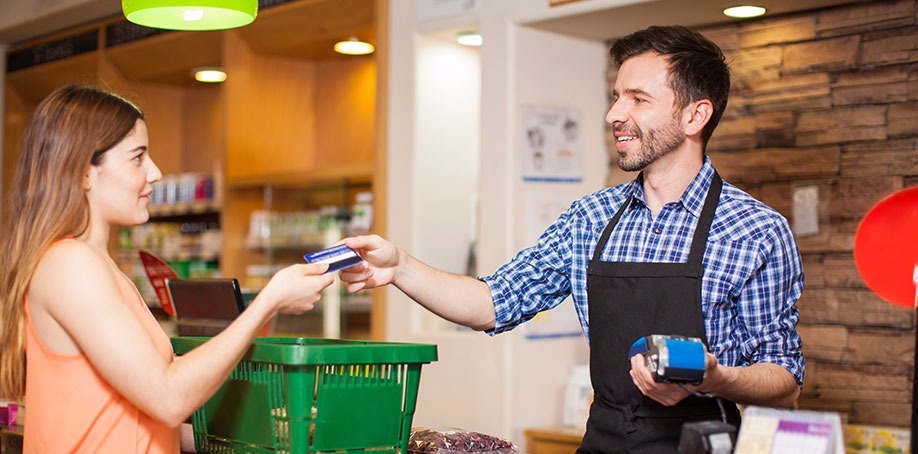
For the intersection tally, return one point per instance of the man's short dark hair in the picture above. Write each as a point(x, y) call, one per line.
point(697, 67)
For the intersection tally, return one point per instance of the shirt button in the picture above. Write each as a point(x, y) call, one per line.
point(657, 230)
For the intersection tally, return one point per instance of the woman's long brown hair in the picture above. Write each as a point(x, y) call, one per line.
point(70, 131)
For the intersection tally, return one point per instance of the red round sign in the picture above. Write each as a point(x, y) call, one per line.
point(886, 247)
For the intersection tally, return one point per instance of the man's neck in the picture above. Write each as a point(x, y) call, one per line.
point(666, 179)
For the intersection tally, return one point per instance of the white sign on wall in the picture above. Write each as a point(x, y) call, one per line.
point(551, 144)
point(428, 10)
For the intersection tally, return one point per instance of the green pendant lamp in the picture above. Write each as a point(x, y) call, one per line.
point(193, 15)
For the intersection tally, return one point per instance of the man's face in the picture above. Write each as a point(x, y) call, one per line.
point(643, 116)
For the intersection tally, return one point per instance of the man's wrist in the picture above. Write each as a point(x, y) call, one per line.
point(719, 378)
point(401, 257)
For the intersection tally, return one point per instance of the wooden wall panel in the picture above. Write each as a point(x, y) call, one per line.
point(204, 123)
point(346, 111)
point(271, 118)
point(162, 105)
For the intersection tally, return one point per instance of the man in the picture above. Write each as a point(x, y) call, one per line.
point(675, 252)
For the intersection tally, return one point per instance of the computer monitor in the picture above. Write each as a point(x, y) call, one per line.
point(204, 307)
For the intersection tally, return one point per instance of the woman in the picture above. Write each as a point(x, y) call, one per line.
point(96, 370)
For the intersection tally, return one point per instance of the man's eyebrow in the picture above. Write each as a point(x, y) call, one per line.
point(634, 92)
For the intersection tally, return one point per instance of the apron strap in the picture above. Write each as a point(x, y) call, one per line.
point(700, 239)
point(597, 252)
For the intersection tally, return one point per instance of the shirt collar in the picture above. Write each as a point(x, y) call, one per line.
point(692, 198)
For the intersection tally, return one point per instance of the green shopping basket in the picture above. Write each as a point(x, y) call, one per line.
point(301, 395)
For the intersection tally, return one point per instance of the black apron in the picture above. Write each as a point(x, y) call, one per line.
point(628, 301)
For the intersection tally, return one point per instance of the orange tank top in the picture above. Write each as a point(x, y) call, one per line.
point(70, 408)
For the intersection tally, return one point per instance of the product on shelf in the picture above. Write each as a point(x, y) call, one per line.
point(361, 214)
point(183, 193)
point(291, 229)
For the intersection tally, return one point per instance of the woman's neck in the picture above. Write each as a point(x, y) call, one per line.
point(96, 235)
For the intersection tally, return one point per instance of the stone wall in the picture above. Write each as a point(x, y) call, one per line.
point(829, 99)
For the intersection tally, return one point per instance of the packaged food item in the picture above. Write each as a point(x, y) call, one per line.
point(8, 412)
point(445, 441)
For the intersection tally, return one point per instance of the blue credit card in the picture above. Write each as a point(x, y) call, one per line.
point(337, 257)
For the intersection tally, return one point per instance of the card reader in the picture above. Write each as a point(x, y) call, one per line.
point(672, 359)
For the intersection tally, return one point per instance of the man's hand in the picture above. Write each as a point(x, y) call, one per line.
point(664, 393)
point(460, 299)
point(756, 384)
point(379, 267)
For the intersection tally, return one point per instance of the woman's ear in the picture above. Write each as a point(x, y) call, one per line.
point(698, 115)
point(89, 177)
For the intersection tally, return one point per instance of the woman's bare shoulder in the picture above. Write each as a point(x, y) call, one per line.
point(68, 263)
point(67, 251)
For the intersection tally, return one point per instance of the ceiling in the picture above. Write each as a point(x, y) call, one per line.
point(64, 15)
point(595, 25)
point(619, 21)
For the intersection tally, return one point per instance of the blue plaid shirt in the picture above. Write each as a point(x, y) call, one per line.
point(753, 274)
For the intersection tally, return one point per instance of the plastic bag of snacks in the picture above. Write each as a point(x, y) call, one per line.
point(443, 441)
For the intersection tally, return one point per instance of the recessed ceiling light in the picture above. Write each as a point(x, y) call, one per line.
point(209, 75)
point(744, 11)
point(469, 39)
point(354, 46)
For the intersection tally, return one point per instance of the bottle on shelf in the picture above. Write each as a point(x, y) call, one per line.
point(361, 221)
point(184, 193)
point(192, 249)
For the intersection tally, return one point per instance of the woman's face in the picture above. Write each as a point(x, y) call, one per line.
point(119, 188)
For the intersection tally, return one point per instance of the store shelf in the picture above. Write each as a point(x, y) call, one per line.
point(163, 213)
point(167, 58)
point(34, 83)
point(309, 30)
point(357, 173)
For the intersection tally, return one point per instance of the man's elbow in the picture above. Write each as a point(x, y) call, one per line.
point(485, 325)
point(791, 392)
point(789, 399)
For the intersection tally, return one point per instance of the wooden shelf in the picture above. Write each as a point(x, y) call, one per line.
point(309, 29)
point(557, 440)
point(358, 173)
point(34, 83)
point(169, 57)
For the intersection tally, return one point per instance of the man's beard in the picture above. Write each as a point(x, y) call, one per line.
point(655, 143)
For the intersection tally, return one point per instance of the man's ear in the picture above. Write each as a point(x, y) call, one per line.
point(698, 114)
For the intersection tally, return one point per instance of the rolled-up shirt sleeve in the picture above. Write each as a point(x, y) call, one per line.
point(767, 304)
point(537, 279)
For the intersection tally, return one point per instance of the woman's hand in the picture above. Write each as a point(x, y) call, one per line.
point(296, 288)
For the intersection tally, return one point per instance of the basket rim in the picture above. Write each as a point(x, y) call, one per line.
point(304, 351)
